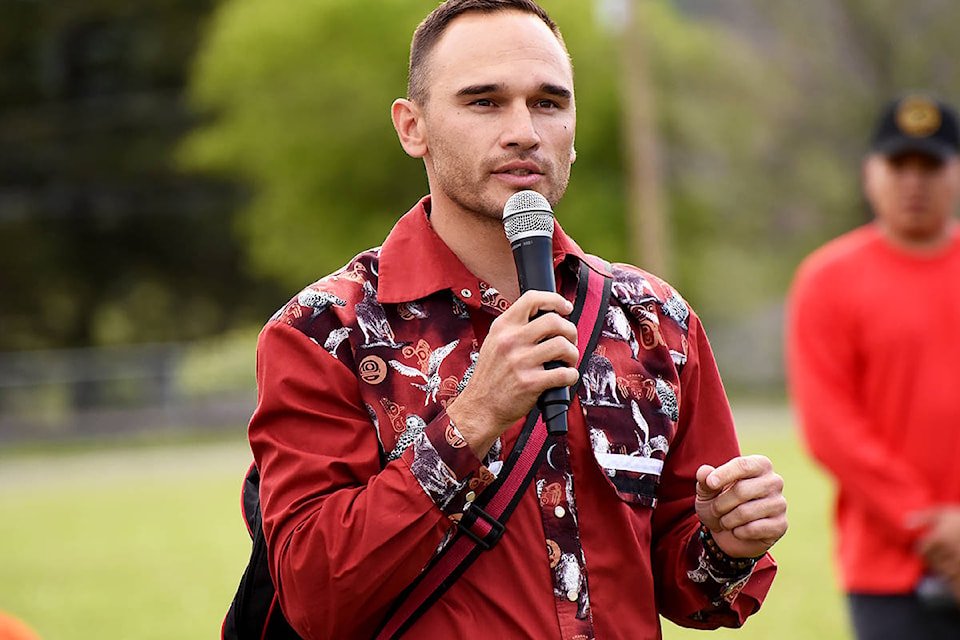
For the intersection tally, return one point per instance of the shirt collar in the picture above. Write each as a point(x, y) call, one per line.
point(415, 262)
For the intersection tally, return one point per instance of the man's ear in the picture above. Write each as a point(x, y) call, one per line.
point(953, 169)
point(408, 121)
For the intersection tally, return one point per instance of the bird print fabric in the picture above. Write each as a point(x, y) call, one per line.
point(413, 358)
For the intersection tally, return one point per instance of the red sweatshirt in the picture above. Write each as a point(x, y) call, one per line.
point(873, 359)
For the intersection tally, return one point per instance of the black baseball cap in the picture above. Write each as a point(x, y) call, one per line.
point(919, 124)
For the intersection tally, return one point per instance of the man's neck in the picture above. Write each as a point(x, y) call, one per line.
point(481, 246)
point(922, 245)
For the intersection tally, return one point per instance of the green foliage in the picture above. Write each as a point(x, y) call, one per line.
point(102, 240)
point(718, 109)
point(845, 60)
point(762, 124)
point(304, 114)
point(763, 111)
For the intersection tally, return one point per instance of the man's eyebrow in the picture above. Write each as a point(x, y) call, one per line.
point(481, 89)
point(556, 90)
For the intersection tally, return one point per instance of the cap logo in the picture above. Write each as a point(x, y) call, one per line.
point(918, 116)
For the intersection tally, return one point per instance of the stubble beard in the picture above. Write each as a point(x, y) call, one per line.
point(471, 193)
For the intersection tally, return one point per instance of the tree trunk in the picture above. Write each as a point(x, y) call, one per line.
point(649, 236)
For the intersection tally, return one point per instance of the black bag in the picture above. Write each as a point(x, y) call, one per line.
point(255, 611)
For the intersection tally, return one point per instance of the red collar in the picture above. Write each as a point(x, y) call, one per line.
point(415, 262)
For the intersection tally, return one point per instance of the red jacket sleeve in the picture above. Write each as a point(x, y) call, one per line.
point(705, 435)
point(344, 535)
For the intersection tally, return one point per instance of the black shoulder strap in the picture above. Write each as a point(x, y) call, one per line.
point(484, 521)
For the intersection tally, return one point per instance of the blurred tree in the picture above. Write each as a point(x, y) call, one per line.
point(304, 115)
point(762, 109)
point(102, 239)
point(844, 60)
point(646, 211)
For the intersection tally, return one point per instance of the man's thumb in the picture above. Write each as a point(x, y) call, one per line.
point(704, 492)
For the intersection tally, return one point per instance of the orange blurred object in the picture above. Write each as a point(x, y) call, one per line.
point(12, 628)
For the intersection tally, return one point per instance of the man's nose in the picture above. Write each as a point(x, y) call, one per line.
point(519, 129)
point(915, 175)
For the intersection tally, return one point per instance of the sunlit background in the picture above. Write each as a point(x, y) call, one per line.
point(172, 171)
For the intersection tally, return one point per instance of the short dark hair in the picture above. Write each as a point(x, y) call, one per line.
point(434, 25)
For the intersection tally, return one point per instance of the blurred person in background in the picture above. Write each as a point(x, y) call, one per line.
point(873, 360)
point(391, 389)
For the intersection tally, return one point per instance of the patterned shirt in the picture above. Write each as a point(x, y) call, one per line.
point(363, 475)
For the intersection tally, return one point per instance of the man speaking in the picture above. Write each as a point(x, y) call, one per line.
point(409, 487)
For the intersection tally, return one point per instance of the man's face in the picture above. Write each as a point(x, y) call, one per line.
point(500, 115)
point(913, 195)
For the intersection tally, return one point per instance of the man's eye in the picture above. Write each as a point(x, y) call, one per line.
point(547, 104)
point(483, 102)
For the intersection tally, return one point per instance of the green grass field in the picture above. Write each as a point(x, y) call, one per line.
point(146, 543)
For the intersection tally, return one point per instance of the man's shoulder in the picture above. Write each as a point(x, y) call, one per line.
point(842, 254)
point(631, 284)
point(635, 289)
point(336, 293)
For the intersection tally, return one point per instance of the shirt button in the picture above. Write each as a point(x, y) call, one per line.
point(572, 595)
point(466, 293)
point(471, 496)
point(559, 511)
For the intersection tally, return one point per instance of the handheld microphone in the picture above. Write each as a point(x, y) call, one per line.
point(528, 224)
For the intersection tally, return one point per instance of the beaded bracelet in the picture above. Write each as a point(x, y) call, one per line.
point(719, 558)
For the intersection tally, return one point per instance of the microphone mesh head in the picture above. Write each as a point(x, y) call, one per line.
point(527, 213)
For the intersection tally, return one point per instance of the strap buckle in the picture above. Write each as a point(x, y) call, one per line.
point(471, 515)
